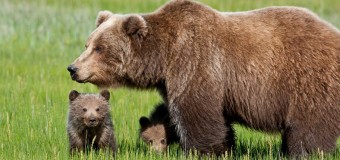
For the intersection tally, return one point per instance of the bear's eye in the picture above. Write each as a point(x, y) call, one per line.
point(97, 49)
point(163, 141)
point(86, 46)
point(150, 141)
point(97, 109)
point(84, 109)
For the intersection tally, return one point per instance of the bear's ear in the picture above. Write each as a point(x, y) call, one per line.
point(102, 17)
point(73, 95)
point(144, 122)
point(135, 26)
point(106, 94)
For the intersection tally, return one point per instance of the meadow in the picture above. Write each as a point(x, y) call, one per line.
point(40, 38)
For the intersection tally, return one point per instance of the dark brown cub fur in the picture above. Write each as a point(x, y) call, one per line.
point(157, 130)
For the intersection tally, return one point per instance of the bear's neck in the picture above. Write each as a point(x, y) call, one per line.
point(148, 67)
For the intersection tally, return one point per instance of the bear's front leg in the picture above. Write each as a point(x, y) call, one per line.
point(75, 143)
point(201, 125)
point(107, 139)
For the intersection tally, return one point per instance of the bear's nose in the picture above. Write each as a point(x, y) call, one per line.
point(72, 69)
point(92, 120)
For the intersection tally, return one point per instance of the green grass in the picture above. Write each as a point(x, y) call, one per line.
point(39, 39)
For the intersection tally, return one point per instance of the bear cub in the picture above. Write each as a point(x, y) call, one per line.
point(89, 122)
point(157, 131)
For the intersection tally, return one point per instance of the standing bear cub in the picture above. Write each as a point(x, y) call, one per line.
point(89, 122)
point(157, 130)
point(275, 69)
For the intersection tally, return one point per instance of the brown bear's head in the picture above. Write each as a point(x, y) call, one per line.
point(109, 49)
point(88, 110)
point(153, 134)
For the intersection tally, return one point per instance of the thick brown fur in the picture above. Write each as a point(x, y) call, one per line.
point(157, 130)
point(89, 122)
point(275, 69)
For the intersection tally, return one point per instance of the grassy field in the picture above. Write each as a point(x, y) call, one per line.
point(40, 38)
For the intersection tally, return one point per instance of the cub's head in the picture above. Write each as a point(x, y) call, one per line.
point(153, 134)
point(109, 49)
point(89, 110)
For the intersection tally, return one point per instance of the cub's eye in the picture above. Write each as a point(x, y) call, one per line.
point(163, 141)
point(97, 109)
point(84, 109)
point(150, 141)
point(86, 45)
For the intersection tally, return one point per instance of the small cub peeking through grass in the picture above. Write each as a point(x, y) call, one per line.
point(157, 130)
point(89, 122)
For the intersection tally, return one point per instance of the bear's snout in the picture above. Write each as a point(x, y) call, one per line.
point(72, 69)
point(92, 122)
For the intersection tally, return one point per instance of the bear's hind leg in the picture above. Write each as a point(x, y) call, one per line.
point(301, 140)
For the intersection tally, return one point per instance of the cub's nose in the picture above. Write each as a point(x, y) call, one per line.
point(92, 120)
point(72, 69)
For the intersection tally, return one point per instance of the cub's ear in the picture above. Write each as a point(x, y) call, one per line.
point(106, 94)
point(144, 122)
point(73, 95)
point(102, 17)
point(135, 26)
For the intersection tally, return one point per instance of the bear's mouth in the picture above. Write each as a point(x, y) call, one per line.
point(92, 124)
point(76, 78)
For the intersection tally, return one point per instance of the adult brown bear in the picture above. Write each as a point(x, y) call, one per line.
point(275, 69)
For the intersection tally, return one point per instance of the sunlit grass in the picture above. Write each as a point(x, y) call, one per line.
point(38, 39)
